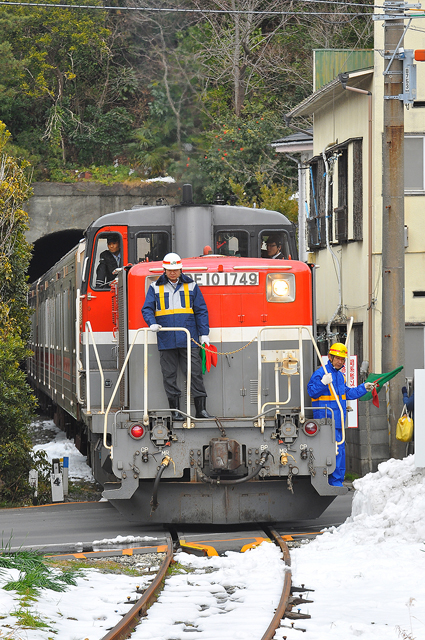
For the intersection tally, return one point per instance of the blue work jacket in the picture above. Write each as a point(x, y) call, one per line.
point(322, 396)
point(180, 306)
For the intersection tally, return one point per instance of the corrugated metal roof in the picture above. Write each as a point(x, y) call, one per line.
point(328, 63)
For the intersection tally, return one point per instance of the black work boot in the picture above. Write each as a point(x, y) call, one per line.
point(174, 404)
point(200, 406)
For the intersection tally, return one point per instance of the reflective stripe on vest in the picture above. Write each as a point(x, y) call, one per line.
point(328, 398)
point(161, 297)
point(167, 312)
point(186, 296)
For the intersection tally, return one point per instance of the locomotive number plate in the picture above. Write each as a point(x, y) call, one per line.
point(224, 279)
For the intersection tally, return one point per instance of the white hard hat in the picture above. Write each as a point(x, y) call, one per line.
point(172, 261)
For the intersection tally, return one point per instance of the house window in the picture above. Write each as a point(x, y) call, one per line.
point(318, 216)
point(345, 221)
point(341, 212)
point(414, 163)
point(357, 190)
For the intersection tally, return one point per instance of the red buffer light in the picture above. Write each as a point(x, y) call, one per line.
point(137, 431)
point(310, 428)
point(420, 55)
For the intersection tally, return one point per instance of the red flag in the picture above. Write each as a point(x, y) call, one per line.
point(375, 398)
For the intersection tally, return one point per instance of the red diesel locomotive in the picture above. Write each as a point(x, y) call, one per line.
point(95, 363)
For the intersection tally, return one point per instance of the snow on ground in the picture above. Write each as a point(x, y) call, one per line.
point(367, 576)
point(59, 446)
point(165, 179)
point(85, 611)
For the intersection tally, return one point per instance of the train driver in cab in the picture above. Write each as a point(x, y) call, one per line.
point(109, 261)
point(274, 248)
point(174, 300)
point(323, 396)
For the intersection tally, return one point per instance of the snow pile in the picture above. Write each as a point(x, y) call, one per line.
point(388, 503)
point(367, 574)
point(121, 540)
point(61, 447)
point(394, 499)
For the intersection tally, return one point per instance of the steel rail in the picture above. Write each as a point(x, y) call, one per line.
point(127, 624)
point(286, 590)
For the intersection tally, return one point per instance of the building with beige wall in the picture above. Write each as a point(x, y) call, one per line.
point(344, 209)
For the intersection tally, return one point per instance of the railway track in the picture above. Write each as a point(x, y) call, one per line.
point(127, 624)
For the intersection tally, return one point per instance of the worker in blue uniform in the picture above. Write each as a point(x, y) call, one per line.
point(322, 396)
point(174, 300)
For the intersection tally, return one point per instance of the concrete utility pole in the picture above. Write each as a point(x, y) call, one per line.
point(393, 303)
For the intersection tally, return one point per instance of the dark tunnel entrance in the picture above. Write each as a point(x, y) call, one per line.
point(49, 249)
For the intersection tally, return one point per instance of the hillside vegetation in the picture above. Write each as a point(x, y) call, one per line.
point(196, 95)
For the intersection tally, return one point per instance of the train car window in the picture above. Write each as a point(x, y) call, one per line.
point(152, 246)
point(232, 243)
point(107, 257)
point(275, 244)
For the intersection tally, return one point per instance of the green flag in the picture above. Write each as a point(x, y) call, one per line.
point(380, 379)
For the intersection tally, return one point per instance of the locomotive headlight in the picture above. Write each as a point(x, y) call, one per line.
point(280, 287)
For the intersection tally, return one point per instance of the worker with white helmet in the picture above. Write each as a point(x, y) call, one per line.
point(322, 395)
point(174, 300)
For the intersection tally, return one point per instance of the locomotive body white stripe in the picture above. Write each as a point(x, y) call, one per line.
point(236, 334)
point(223, 335)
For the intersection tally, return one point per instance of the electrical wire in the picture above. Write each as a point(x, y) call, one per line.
point(201, 11)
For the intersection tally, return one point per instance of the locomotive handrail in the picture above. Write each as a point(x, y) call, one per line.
point(280, 328)
point(78, 363)
point(145, 381)
point(332, 389)
point(102, 377)
point(278, 401)
point(300, 341)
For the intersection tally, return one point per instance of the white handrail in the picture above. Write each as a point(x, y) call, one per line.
point(332, 389)
point(302, 418)
point(78, 363)
point(145, 382)
point(102, 377)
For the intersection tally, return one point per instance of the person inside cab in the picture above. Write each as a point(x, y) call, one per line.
point(274, 248)
point(109, 261)
point(174, 300)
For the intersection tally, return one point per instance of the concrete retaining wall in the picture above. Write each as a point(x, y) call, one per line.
point(62, 206)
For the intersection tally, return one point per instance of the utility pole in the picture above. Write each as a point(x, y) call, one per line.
point(393, 303)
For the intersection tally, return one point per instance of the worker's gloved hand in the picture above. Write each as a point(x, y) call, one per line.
point(369, 386)
point(155, 327)
point(205, 340)
point(403, 390)
point(327, 379)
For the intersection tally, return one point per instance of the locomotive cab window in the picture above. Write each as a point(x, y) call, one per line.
point(152, 246)
point(232, 243)
point(274, 244)
point(107, 257)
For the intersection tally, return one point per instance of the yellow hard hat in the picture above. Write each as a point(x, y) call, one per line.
point(338, 349)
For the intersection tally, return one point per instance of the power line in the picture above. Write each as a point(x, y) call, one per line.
point(202, 11)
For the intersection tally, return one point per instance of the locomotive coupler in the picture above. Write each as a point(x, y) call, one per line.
point(224, 454)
